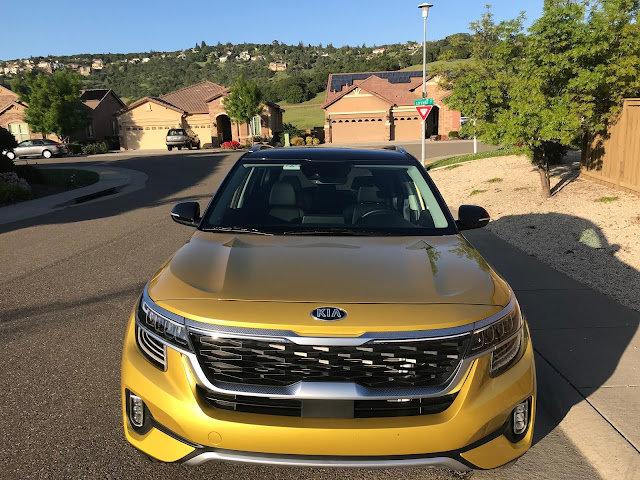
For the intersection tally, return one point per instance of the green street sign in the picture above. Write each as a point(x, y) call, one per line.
point(422, 102)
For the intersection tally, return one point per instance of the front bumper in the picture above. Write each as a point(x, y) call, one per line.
point(468, 435)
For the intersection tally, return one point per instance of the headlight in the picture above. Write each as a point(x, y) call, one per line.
point(503, 338)
point(170, 331)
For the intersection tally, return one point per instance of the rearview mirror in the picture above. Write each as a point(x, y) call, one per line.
point(186, 213)
point(471, 216)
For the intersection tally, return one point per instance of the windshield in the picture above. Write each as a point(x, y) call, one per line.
point(315, 197)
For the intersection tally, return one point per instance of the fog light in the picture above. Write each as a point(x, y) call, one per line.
point(136, 410)
point(521, 418)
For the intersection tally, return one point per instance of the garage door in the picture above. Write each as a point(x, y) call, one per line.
point(406, 127)
point(145, 138)
point(358, 130)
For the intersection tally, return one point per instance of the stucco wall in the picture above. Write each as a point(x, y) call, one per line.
point(145, 127)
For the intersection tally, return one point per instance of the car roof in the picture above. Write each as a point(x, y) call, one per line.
point(331, 154)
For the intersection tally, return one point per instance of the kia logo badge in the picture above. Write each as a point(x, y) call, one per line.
point(328, 314)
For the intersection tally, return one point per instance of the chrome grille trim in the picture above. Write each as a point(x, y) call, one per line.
point(328, 390)
point(152, 347)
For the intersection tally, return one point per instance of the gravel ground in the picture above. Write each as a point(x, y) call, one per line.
point(575, 231)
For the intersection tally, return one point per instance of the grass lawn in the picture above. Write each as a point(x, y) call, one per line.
point(68, 177)
point(45, 182)
point(306, 114)
point(443, 162)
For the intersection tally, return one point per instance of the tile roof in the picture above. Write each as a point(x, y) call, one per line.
point(159, 101)
point(194, 99)
point(394, 92)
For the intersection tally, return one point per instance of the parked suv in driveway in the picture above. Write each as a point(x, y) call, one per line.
point(37, 148)
point(180, 137)
point(327, 311)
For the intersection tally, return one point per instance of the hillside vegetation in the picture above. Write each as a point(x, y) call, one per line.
point(136, 75)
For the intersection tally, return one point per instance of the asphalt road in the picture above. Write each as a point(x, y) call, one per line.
point(69, 281)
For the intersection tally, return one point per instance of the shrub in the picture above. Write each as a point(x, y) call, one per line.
point(13, 188)
point(316, 141)
point(297, 141)
point(7, 141)
point(454, 134)
point(75, 147)
point(13, 193)
point(30, 173)
point(308, 140)
point(6, 164)
point(291, 129)
point(95, 148)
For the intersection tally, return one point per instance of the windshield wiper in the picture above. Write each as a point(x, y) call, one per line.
point(253, 231)
point(336, 231)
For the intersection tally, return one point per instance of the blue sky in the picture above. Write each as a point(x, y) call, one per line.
point(119, 26)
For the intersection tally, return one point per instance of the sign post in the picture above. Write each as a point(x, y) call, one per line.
point(424, 107)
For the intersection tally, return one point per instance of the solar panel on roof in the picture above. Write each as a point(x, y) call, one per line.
point(339, 80)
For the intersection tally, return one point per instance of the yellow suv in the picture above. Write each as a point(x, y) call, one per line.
point(328, 312)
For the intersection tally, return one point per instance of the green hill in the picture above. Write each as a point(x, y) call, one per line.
point(307, 114)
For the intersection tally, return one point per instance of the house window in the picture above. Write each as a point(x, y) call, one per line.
point(257, 127)
point(89, 131)
point(20, 131)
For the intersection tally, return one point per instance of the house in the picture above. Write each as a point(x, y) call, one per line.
point(278, 66)
point(97, 64)
point(144, 123)
point(102, 105)
point(379, 106)
point(45, 67)
point(379, 51)
point(84, 71)
point(12, 115)
point(244, 56)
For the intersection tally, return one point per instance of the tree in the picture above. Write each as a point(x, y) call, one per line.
point(202, 44)
point(53, 102)
point(564, 80)
point(244, 102)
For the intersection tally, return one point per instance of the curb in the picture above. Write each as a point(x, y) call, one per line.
point(606, 450)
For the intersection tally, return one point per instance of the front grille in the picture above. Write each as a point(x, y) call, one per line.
point(402, 407)
point(423, 363)
point(154, 350)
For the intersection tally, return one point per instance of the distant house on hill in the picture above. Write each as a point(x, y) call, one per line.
point(379, 106)
point(278, 66)
point(144, 124)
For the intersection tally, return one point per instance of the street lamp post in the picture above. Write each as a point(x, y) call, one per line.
point(425, 13)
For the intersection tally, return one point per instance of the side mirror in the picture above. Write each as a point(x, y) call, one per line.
point(471, 216)
point(186, 213)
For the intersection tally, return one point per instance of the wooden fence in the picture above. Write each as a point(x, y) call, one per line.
point(613, 159)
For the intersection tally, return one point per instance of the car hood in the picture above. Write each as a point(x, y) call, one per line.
point(284, 272)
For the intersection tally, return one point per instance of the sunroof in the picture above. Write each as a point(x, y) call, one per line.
point(339, 80)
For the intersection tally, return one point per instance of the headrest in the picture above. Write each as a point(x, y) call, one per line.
point(369, 195)
point(292, 180)
point(363, 181)
point(282, 195)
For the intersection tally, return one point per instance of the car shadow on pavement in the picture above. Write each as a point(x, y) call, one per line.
point(587, 337)
point(168, 176)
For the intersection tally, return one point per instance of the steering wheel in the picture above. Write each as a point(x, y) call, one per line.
point(375, 211)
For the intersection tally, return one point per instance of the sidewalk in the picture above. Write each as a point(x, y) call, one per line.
point(113, 182)
point(587, 355)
